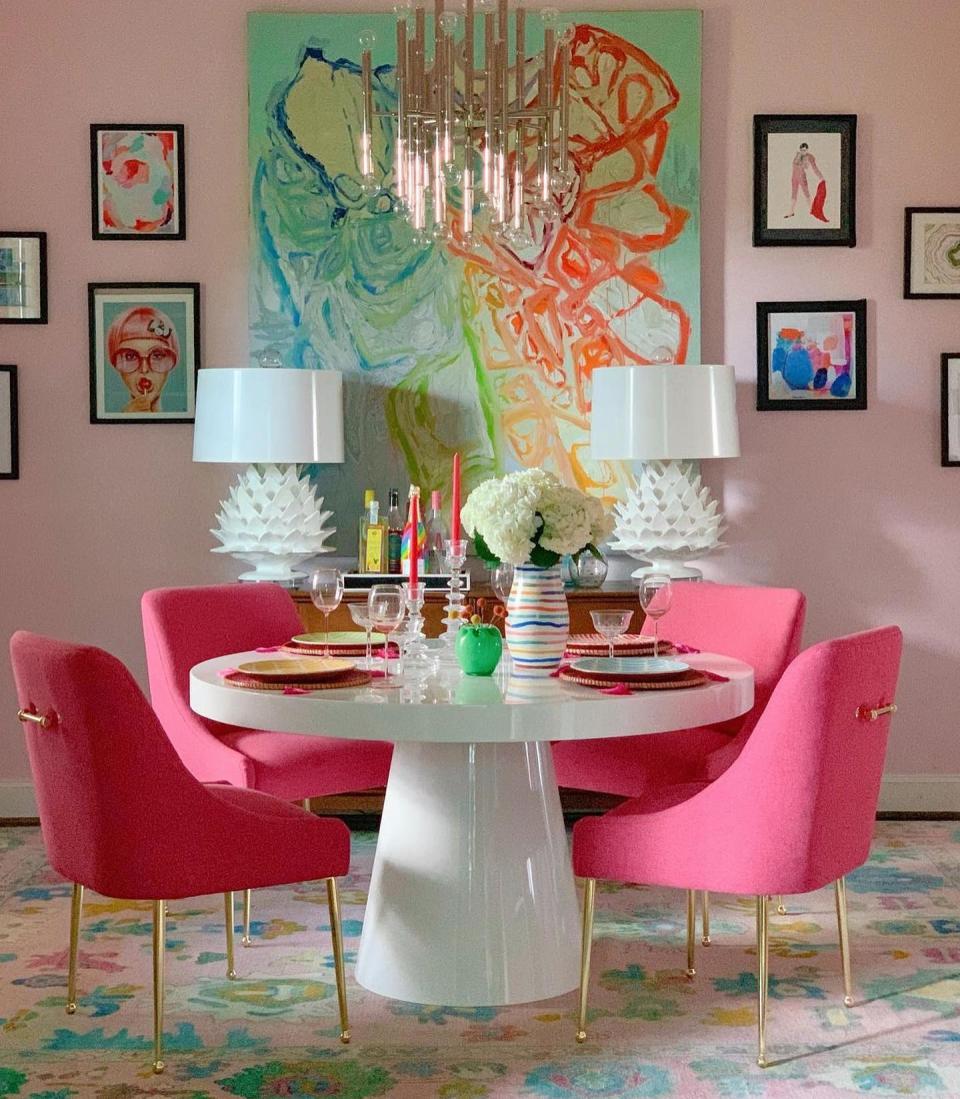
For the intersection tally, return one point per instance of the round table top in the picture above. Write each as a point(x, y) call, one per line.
point(452, 707)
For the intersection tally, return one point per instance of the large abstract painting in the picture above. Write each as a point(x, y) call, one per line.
point(489, 351)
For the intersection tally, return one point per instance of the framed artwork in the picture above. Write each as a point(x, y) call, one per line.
point(931, 251)
point(804, 179)
point(950, 409)
point(144, 351)
point(137, 181)
point(23, 278)
point(9, 437)
point(444, 348)
point(811, 354)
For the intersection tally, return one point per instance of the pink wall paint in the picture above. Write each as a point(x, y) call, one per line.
point(852, 508)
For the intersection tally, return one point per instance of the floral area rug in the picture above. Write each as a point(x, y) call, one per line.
point(273, 1032)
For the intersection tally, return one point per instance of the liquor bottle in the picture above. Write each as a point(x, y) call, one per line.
point(436, 535)
point(364, 517)
point(375, 559)
point(394, 532)
point(413, 542)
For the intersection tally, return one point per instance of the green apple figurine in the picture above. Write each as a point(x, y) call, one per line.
point(478, 647)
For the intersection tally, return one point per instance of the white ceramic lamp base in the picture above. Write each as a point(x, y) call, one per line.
point(472, 901)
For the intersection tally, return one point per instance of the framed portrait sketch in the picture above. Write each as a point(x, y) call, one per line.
point(144, 351)
point(950, 409)
point(9, 437)
point(137, 181)
point(931, 250)
point(811, 354)
point(23, 278)
point(804, 179)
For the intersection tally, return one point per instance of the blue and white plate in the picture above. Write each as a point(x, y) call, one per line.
point(624, 666)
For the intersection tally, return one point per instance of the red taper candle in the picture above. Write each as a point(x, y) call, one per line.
point(455, 500)
point(414, 543)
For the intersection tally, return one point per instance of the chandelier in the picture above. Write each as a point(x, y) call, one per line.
point(476, 148)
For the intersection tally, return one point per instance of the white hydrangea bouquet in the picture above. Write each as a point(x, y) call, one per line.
point(531, 517)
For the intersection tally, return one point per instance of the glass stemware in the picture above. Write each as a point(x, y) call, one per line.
point(611, 625)
point(326, 591)
point(360, 614)
point(501, 579)
point(655, 594)
point(386, 606)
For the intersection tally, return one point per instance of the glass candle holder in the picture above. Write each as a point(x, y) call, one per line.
point(455, 557)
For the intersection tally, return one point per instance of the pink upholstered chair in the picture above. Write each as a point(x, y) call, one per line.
point(797, 806)
point(183, 626)
point(761, 626)
point(122, 815)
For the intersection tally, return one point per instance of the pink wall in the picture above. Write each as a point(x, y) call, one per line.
point(852, 508)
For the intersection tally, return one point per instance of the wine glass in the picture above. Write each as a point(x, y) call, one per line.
point(386, 607)
point(326, 591)
point(502, 581)
point(360, 614)
point(656, 594)
point(611, 625)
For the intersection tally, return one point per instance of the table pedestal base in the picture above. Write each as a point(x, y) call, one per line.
point(472, 900)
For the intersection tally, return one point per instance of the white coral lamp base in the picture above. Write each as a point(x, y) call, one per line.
point(272, 520)
point(667, 519)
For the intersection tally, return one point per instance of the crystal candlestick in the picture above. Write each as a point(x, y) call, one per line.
point(417, 660)
point(455, 556)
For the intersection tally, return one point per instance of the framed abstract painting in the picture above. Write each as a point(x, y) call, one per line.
point(144, 351)
point(811, 355)
point(9, 440)
point(950, 409)
point(931, 267)
point(804, 179)
point(23, 278)
point(137, 181)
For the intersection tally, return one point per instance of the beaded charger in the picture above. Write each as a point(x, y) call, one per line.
point(356, 678)
point(689, 678)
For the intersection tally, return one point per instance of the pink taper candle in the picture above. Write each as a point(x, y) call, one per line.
point(414, 544)
point(455, 500)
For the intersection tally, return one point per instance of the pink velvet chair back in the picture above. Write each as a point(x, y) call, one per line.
point(109, 785)
point(183, 626)
point(761, 626)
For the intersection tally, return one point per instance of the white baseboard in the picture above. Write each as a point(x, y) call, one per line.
point(899, 794)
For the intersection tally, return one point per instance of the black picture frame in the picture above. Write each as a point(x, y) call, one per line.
point(181, 194)
point(845, 125)
point(945, 361)
point(766, 403)
point(909, 274)
point(189, 290)
point(14, 426)
point(41, 238)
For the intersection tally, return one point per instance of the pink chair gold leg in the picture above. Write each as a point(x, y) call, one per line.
point(228, 925)
point(705, 918)
point(763, 960)
point(245, 937)
point(691, 931)
point(159, 942)
point(76, 904)
point(781, 907)
point(589, 895)
point(333, 902)
point(840, 890)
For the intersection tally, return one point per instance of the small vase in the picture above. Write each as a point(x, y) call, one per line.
point(538, 621)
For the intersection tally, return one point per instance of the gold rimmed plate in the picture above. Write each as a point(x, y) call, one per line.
point(301, 669)
point(351, 639)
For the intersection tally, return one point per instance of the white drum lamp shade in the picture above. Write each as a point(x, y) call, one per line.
point(268, 415)
point(667, 417)
point(664, 412)
point(272, 420)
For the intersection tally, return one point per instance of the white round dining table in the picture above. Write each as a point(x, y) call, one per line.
point(472, 899)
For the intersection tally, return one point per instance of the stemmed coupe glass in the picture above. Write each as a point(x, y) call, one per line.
point(611, 625)
point(656, 594)
point(386, 606)
point(501, 580)
point(360, 613)
point(326, 591)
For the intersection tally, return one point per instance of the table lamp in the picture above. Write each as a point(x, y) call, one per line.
point(666, 416)
point(270, 419)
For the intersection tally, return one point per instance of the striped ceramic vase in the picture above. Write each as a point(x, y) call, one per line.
point(538, 622)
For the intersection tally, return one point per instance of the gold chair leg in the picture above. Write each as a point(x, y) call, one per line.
point(159, 941)
point(691, 931)
point(306, 804)
point(333, 902)
point(781, 907)
point(763, 960)
point(228, 925)
point(76, 904)
point(705, 915)
point(245, 937)
point(840, 889)
point(586, 941)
